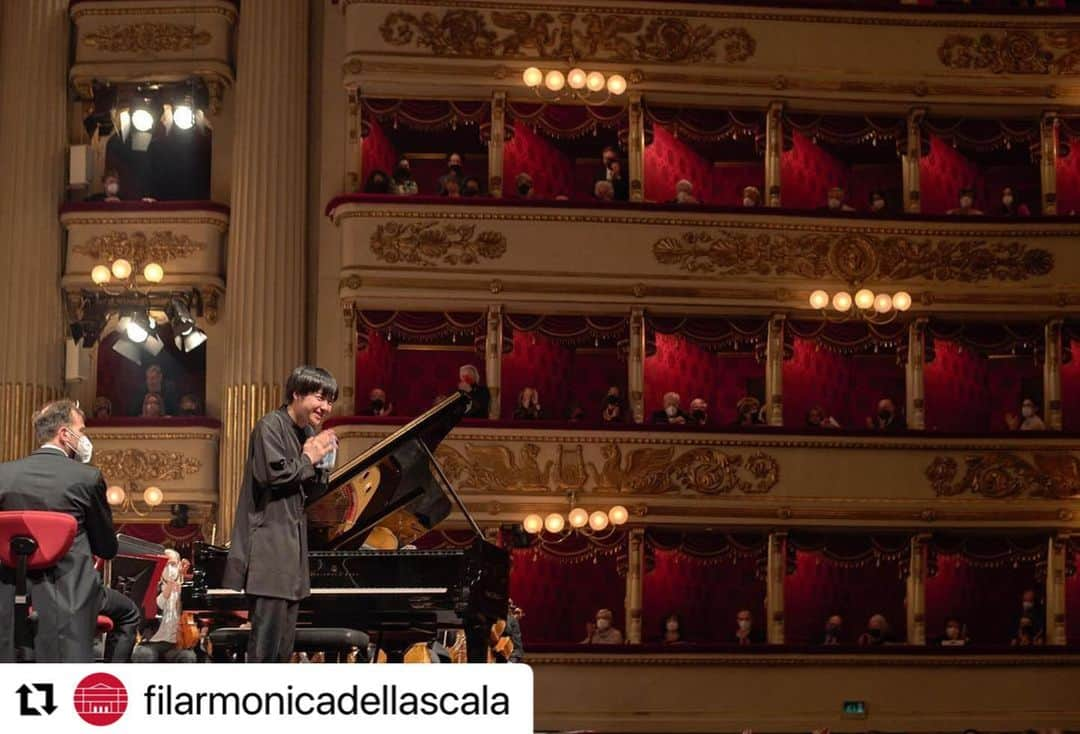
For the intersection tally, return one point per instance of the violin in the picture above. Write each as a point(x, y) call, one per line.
point(187, 631)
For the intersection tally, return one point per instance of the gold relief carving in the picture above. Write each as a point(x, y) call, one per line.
point(1014, 52)
point(570, 468)
point(1002, 475)
point(711, 471)
point(428, 243)
point(496, 468)
point(211, 302)
point(851, 256)
point(147, 37)
point(350, 282)
point(645, 469)
point(145, 466)
point(138, 249)
point(583, 36)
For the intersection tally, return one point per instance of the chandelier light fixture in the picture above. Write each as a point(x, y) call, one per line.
point(878, 308)
point(590, 87)
point(578, 519)
point(123, 500)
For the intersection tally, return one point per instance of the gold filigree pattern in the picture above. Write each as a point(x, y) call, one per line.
point(495, 468)
point(138, 249)
point(851, 256)
point(1014, 52)
point(147, 38)
point(429, 243)
point(711, 471)
point(645, 469)
point(138, 465)
point(1003, 475)
point(583, 36)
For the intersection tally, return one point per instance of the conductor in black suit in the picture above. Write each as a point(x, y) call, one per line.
point(57, 477)
point(268, 559)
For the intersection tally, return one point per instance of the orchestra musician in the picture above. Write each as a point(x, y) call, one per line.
point(57, 477)
point(164, 645)
point(268, 559)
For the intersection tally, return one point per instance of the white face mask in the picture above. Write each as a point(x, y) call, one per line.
point(84, 449)
point(747, 201)
point(1007, 200)
point(834, 203)
point(744, 624)
point(672, 410)
point(602, 624)
point(1027, 411)
point(112, 189)
point(672, 626)
point(965, 202)
point(878, 205)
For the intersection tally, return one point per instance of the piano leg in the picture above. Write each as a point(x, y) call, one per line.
point(477, 641)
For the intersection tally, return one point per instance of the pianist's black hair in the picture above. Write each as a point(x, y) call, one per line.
point(307, 380)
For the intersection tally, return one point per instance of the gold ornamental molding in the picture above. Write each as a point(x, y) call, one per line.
point(137, 465)
point(866, 661)
point(1014, 52)
point(585, 36)
point(853, 257)
point(160, 247)
point(432, 243)
point(1004, 475)
point(147, 38)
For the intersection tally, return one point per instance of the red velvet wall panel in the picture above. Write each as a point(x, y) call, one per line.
point(552, 170)
point(427, 170)
point(729, 180)
point(705, 595)
point(419, 376)
point(594, 373)
point(376, 151)
point(374, 368)
point(1024, 180)
point(667, 161)
point(560, 597)
point(1008, 382)
point(124, 382)
point(1068, 180)
point(847, 386)
point(955, 385)
point(874, 377)
point(1070, 391)
point(683, 367)
point(819, 589)
point(987, 600)
point(807, 172)
point(1072, 603)
point(941, 176)
point(538, 362)
point(865, 178)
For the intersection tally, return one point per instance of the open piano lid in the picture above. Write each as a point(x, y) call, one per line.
point(390, 488)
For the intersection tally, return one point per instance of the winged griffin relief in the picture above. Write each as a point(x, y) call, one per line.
point(495, 468)
point(646, 470)
point(1002, 475)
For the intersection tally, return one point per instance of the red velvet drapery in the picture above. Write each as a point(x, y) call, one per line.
point(1068, 178)
point(667, 161)
point(551, 169)
point(986, 600)
point(808, 171)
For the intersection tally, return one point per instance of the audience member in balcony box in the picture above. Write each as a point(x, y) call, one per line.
point(528, 405)
point(670, 414)
point(189, 405)
point(378, 183)
point(620, 185)
point(612, 409)
point(102, 408)
point(1027, 634)
point(1032, 609)
point(574, 412)
point(967, 204)
point(877, 632)
point(699, 412)
point(879, 205)
point(955, 634)
point(607, 155)
point(523, 186)
point(745, 633)
point(156, 383)
point(378, 405)
point(817, 418)
point(153, 406)
point(454, 172)
point(111, 188)
point(835, 201)
point(751, 197)
point(472, 187)
point(479, 396)
point(834, 631)
point(404, 184)
point(1030, 415)
point(604, 191)
point(1010, 207)
point(684, 193)
point(748, 412)
point(603, 632)
point(671, 633)
point(452, 188)
point(887, 419)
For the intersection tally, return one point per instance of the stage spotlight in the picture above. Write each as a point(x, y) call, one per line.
point(183, 116)
point(153, 343)
point(138, 327)
point(143, 119)
point(189, 337)
point(128, 350)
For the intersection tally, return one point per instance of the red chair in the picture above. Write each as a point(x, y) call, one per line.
point(32, 540)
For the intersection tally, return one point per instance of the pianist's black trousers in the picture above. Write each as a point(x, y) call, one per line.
point(273, 629)
point(126, 617)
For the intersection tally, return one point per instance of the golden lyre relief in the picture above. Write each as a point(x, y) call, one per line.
point(1005, 475)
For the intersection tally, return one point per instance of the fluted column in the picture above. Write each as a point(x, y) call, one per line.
point(1052, 375)
point(776, 571)
point(1055, 590)
point(635, 575)
point(353, 140)
point(910, 161)
point(1048, 147)
point(265, 335)
point(635, 145)
point(497, 144)
point(635, 364)
point(914, 382)
point(33, 128)
point(493, 359)
point(774, 371)
point(916, 590)
point(774, 147)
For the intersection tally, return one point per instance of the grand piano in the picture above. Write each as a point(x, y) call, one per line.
point(363, 575)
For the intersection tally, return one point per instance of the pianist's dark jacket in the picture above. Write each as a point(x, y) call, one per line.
point(269, 551)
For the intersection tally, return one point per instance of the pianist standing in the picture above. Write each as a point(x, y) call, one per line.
point(268, 558)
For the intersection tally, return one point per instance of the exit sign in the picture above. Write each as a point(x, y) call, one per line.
point(855, 709)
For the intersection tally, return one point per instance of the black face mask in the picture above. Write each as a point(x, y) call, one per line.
point(699, 415)
point(832, 629)
point(524, 189)
point(875, 633)
point(376, 406)
point(403, 173)
point(472, 192)
point(1026, 629)
point(612, 399)
point(884, 415)
point(456, 170)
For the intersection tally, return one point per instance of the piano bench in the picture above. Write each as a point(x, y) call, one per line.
point(230, 643)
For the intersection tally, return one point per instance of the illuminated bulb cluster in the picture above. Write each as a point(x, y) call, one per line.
point(152, 496)
point(576, 79)
point(122, 269)
point(864, 299)
point(577, 518)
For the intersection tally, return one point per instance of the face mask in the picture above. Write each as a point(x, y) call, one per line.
point(744, 624)
point(112, 189)
point(884, 415)
point(472, 192)
point(672, 410)
point(834, 203)
point(468, 379)
point(612, 399)
point(84, 449)
point(402, 172)
point(747, 201)
point(875, 633)
point(1027, 411)
point(524, 189)
point(1026, 629)
point(832, 629)
point(774, 201)
point(1028, 606)
point(455, 169)
point(376, 405)
point(602, 624)
point(672, 626)
point(878, 205)
point(1007, 200)
point(965, 202)
point(699, 415)
point(952, 632)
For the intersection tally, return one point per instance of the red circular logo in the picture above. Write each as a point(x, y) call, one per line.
point(100, 699)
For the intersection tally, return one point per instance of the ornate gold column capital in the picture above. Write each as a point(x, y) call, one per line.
point(497, 144)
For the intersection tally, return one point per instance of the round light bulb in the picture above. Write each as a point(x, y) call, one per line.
point(142, 120)
point(533, 523)
point(153, 272)
point(183, 117)
point(618, 515)
point(135, 331)
point(115, 495)
point(901, 301)
point(883, 303)
point(579, 518)
point(864, 298)
point(153, 496)
point(595, 81)
point(554, 80)
point(616, 84)
point(598, 520)
point(554, 523)
point(121, 269)
point(819, 299)
point(532, 77)
point(576, 78)
point(100, 275)
point(842, 301)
